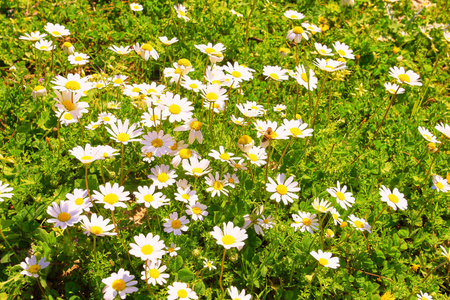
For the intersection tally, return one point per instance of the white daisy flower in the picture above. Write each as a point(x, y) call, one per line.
point(175, 224)
point(297, 128)
point(97, 226)
point(336, 216)
point(311, 27)
point(78, 59)
point(343, 50)
point(79, 198)
point(329, 65)
point(424, 296)
point(393, 88)
point(301, 76)
point(257, 156)
point(196, 168)
point(444, 129)
point(157, 142)
point(296, 34)
point(147, 247)
point(216, 186)
point(162, 176)
point(145, 51)
point(56, 30)
point(283, 190)
point(294, 15)
point(72, 83)
point(275, 73)
point(120, 283)
point(31, 266)
point(153, 273)
point(197, 211)
point(136, 7)
point(147, 196)
point(232, 179)
point(181, 12)
point(177, 109)
point(180, 290)
point(33, 36)
point(359, 224)
point(230, 237)
point(325, 259)
point(305, 221)
point(402, 76)
point(186, 195)
point(393, 198)
point(111, 196)
point(440, 184)
point(5, 190)
point(121, 50)
point(123, 133)
point(222, 155)
point(345, 199)
point(208, 264)
point(166, 41)
point(65, 214)
point(321, 205)
point(427, 135)
point(106, 118)
point(236, 295)
point(172, 250)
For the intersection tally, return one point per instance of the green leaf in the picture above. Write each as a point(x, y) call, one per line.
point(185, 275)
point(200, 288)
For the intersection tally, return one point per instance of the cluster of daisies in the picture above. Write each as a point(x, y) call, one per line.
point(162, 109)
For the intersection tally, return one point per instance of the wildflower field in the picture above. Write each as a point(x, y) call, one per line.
point(225, 149)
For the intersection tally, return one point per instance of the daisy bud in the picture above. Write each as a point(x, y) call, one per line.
point(284, 51)
point(184, 65)
point(196, 252)
point(396, 50)
point(329, 234)
point(298, 117)
point(245, 143)
point(400, 58)
point(358, 56)
point(68, 48)
point(432, 147)
point(343, 224)
point(13, 68)
point(308, 278)
point(39, 91)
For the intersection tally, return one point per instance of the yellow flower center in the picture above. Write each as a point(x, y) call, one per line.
point(157, 143)
point(136, 7)
point(171, 249)
point(67, 45)
point(230, 180)
point(176, 224)
point(86, 157)
point(321, 208)
point(439, 185)
point(57, 33)
point(185, 154)
point(236, 74)
point(253, 157)
point(196, 125)
point(111, 199)
point(72, 85)
point(96, 230)
point(293, 17)
point(404, 78)
point(183, 14)
point(150, 91)
point(163, 177)
point(340, 196)
point(196, 210)
point(39, 88)
point(217, 185)
point(323, 261)
point(282, 189)
point(197, 171)
point(68, 105)
point(254, 107)
point(359, 224)
point(295, 131)
point(228, 239)
point(147, 47)
point(298, 30)
point(64, 217)
point(149, 154)
point(182, 293)
point(306, 221)
point(245, 140)
point(341, 59)
point(123, 137)
point(393, 198)
point(330, 232)
point(193, 86)
point(154, 273)
point(118, 285)
point(237, 166)
point(304, 77)
point(274, 76)
point(175, 109)
point(79, 201)
point(68, 116)
point(321, 51)
point(212, 97)
point(148, 198)
point(216, 82)
point(209, 50)
point(184, 62)
point(329, 67)
point(341, 52)
point(44, 48)
point(34, 269)
point(224, 156)
point(266, 221)
point(177, 71)
point(147, 249)
point(78, 58)
point(185, 196)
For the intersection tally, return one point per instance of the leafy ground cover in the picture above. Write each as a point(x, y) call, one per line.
point(257, 166)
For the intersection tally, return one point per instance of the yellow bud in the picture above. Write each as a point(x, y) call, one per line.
point(343, 224)
point(396, 50)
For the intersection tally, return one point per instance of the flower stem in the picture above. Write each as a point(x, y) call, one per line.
point(284, 152)
point(379, 126)
point(248, 22)
point(221, 274)
point(379, 215)
point(95, 252)
point(318, 99)
point(121, 164)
